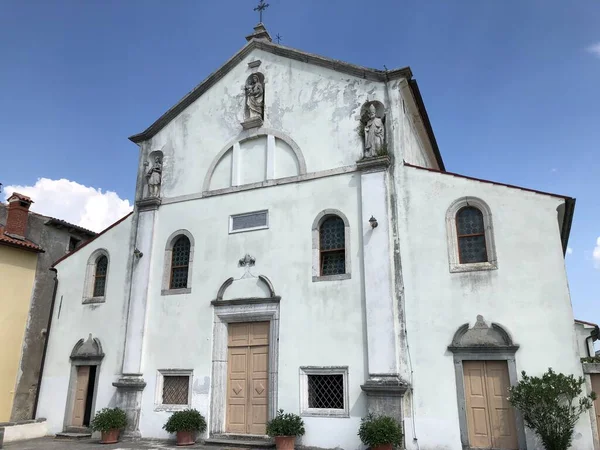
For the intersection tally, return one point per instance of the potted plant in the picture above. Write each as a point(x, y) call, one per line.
point(380, 432)
point(110, 422)
point(285, 428)
point(186, 424)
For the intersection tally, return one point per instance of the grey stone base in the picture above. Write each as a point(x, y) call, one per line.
point(384, 395)
point(256, 122)
point(129, 398)
point(149, 203)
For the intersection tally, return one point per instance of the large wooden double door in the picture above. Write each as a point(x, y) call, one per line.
point(247, 378)
point(490, 417)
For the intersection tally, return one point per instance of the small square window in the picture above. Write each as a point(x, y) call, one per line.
point(324, 391)
point(173, 390)
point(258, 220)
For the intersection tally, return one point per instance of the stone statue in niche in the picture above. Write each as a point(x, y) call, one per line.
point(374, 133)
point(154, 177)
point(255, 97)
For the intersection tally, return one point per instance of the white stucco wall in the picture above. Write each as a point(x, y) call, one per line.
point(73, 320)
point(527, 294)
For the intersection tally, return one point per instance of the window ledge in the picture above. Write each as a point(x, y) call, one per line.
point(176, 291)
point(342, 276)
point(473, 267)
point(171, 407)
point(90, 300)
point(331, 413)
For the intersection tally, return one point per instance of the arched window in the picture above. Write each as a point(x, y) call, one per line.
point(332, 246)
point(470, 236)
point(100, 276)
point(470, 231)
point(180, 263)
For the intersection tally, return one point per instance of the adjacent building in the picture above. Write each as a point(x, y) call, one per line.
point(298, 243)
point(29, 244)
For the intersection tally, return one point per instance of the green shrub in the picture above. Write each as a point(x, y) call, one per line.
point(285, 425)
point(109, 419)
point(546, 403)
point(379, 430)
point(186, 420)
point(591, 359)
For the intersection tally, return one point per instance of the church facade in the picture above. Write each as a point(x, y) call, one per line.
point(298, 244)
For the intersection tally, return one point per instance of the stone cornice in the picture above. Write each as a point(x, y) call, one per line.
point(374, 164)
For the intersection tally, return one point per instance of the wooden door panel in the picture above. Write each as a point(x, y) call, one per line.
point(477, 409)
point(596, 388)
point(238, 334)
point(237, 389)
point(259, 374)
point(81, 388)
point(504, 430)
point(259, 333)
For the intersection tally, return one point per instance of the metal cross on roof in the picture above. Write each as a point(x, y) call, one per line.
point(278, 38)
point(260, 8)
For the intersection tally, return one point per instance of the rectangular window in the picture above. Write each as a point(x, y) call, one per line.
point(258, 220)
point(324, 391)
point(73, 243)
point(173, 389)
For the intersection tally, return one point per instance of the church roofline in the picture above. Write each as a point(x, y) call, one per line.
point(291, 53)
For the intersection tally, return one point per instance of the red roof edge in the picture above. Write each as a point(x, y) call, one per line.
point(586, 323)
point(91, 240)
point(569, 201)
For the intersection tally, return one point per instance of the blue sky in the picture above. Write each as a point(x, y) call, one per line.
point(511, 88)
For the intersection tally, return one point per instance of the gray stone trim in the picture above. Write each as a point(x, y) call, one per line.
point(160, 379)
point(166, 279)
point(251, 134)
point(254, 64)
point(374, 164)
point(255, 122)
point(246, 301)
point(90, 275)
point(452, 237)
point(148, 204)
point(592, 411)
point(229, 281)
point(225, 314)
point(316, 251)
point(21, 422)
point(591, 368)
point(484, 352)
point(305, 410)
point(276, 49)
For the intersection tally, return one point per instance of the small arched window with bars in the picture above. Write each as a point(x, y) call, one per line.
point(470, 231)
point(100, 276)
point(180, 263)
point(332, 246)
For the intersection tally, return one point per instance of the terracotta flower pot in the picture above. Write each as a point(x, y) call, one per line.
point(382, 447)
point(285, 442)
point(110, 437)
point(186, 438)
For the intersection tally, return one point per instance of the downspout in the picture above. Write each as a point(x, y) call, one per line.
point(39, 382)
point(594, 336)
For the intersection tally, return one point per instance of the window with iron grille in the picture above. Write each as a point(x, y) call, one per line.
point(180, 263)
point(258, 220)
point(100, 276)
point(173, 389)
point(332, 246)
point(470, 231)
point(324, 391)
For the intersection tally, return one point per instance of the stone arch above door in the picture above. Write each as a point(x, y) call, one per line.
point(89, 349)
point(253, 157)
point(251, 288)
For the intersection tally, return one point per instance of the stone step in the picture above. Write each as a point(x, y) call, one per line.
point(245, 442)
point(73, 436)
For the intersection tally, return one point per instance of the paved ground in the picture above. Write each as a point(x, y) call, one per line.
point(60, 444)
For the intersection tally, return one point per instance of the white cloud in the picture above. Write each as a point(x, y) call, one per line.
point(68, 200)
point(596, 254)
point(595, 49)
point(569, 251)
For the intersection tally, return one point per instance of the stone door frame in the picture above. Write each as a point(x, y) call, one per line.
point(233, 311)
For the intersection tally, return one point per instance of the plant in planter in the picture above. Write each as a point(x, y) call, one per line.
point(110, 422)
point(551, 405)
point(380, 432)
point(285, 428)
point(186, 424)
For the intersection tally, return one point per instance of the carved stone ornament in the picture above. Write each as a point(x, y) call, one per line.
point(154, 177)
point(89, 349)
point(247, 261)
point(374, 131)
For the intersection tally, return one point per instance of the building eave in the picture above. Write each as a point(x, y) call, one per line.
point(276, 49)
point(27, 248)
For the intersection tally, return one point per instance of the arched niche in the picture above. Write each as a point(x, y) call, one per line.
point(87, 350)
point(379, 111)
point(249, 81)
point(254, 157)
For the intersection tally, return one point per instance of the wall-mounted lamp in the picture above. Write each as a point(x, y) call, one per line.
point(373, 222)
point(137, 253)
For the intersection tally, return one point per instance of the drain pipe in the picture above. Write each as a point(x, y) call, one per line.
point(39, 383)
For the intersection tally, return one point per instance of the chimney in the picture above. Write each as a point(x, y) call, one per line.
point(18, 212)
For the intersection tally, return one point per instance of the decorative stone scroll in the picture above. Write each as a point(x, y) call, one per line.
point(373, 129)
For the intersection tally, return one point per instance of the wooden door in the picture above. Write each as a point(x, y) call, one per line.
point(81, 388)
point(596, 388)
point(247, 378)
point(490, 417)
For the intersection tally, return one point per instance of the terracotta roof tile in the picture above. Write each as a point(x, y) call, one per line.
point(21, 197)
point(20, 243)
